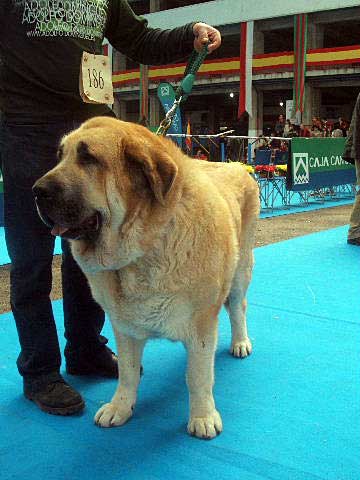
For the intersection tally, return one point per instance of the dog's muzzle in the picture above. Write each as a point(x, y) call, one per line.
point(66, 219)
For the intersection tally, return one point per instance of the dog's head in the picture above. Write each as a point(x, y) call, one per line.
point(108, 172)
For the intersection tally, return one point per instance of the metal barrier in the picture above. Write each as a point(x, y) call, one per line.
point(290, 172)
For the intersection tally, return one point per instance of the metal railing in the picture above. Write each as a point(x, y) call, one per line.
point(272, 177)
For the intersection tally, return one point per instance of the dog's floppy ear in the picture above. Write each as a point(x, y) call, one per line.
point(158, 168)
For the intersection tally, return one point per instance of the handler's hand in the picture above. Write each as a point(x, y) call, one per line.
point(205, 33)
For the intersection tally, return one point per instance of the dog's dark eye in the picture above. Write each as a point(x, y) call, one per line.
point(84, 156)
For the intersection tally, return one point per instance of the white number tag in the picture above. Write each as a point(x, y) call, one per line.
point(95, 81)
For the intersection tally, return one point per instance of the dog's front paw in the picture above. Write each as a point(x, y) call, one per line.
point(112, 415)
point(241, 349)
point(205, 427)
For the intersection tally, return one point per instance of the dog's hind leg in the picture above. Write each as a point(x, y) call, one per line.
point(236, 306)
point(236, 303)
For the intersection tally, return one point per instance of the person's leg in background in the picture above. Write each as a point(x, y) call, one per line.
point(85, 352)
point(354, 227)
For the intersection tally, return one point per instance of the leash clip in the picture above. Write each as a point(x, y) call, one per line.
point(167, 121)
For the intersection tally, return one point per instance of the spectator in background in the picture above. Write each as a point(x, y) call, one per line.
point(295, 131)
point(316, 129)
point(262, 143)
point(304, 131)
point(344, 126)
point(288, 127)
point(200, 155)
point(273, 143)
point(337, 132)
point(279, 126)
point(284, 146)
point(328, 127)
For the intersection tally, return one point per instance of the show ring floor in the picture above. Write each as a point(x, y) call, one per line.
point(290, 411)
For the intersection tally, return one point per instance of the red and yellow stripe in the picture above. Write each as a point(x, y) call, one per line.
point(271, 62)
point(333, 56)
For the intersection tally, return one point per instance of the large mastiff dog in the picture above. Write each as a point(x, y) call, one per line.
point(165, 241)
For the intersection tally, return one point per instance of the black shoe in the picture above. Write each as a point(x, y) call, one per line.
point(103, 364)
point(354, 241)
point(57, 398)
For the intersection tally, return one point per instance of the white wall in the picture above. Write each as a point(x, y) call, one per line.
point(224, 12)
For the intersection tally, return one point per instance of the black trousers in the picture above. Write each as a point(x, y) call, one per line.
point(28, 151)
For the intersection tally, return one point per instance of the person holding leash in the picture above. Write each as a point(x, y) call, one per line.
point(49, 78)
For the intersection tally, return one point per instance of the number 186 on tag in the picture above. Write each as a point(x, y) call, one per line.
point(96, 79)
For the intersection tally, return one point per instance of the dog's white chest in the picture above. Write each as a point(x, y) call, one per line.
point(140, 311)
point(157, 317)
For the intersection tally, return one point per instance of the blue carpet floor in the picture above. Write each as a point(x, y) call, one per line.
point(290, 411)
point(298, 206)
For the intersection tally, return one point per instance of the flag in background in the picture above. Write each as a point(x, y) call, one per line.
point(246, 56)
point(188, 140)
point(166, 95)
point(300, 45)
point(144, 94)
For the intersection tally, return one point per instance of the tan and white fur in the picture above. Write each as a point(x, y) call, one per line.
point(174, 245)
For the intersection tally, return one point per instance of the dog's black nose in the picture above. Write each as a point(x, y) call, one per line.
point(47, 189)
point(42, 192)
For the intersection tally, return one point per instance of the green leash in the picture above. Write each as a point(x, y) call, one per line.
point(184, 89)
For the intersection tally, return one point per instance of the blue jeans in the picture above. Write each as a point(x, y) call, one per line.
point(27, 153)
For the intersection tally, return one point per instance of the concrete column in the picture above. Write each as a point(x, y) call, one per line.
point(258, 41)
point(155, 5)
point(312, 103)
point(212, 118)
point(119, 107)
point(256, 121)
point(119, 61)
point(154, 111)
point(315, 37)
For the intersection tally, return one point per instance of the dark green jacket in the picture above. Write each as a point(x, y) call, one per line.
point(41, 43)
